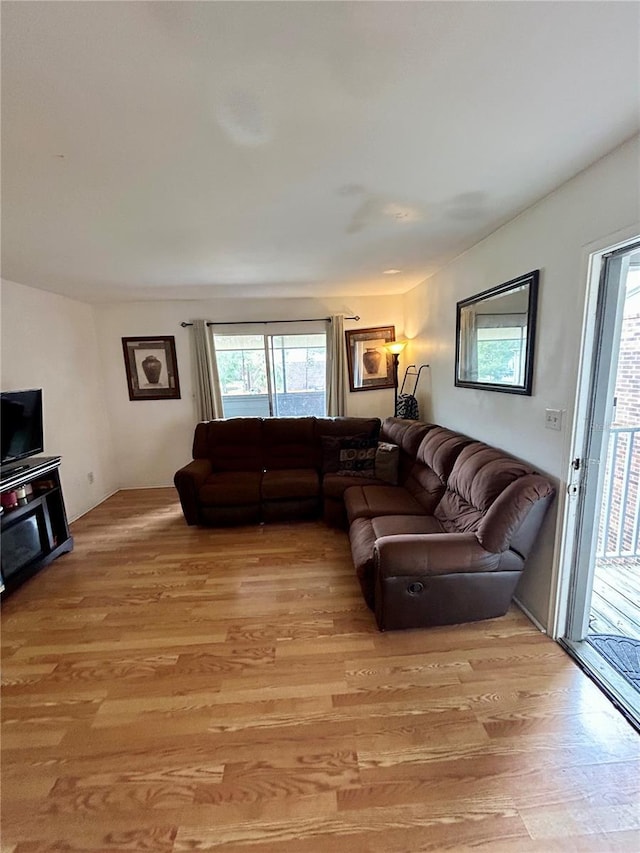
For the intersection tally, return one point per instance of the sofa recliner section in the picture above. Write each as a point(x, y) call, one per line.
point(489, 517)
point(290, 484)
point(223, 484)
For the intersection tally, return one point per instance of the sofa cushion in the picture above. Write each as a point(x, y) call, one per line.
point(387, 461)
point(288, 443)
point(480, 474)
point(371, 501)
point(398, 525)
point(231, 488)
point(407, 435)
point(291, 483)
point(331, 453)
point(234, 444)
point(440, 449)
point(434, 462)
point(483, 472)
point(335, 485)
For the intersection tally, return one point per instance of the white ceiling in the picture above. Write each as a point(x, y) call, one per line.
point(193, 150)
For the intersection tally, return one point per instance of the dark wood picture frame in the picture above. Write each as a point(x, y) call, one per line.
point(370, 366)
point(464, 377)
point(151, 367)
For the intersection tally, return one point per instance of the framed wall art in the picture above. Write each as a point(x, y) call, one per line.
point(370, 365)
point(151, 367)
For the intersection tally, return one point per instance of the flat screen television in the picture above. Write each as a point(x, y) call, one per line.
point(21, 424)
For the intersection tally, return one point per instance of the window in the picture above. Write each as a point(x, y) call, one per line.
point(272, 375)
point(501, 342)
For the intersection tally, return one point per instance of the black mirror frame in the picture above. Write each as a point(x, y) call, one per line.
point(532, 279)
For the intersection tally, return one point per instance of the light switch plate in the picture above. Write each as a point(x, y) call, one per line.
point(553, 419)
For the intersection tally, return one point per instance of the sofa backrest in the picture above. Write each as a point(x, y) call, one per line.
point(289, 443)
point(407, 435)
point(340, 427)
point(232, 444)
point(253, 444)
point(433, 464)
point(491, 494)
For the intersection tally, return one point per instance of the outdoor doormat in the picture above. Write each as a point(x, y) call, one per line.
point(622, 653)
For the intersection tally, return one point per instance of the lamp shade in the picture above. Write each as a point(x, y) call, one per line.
point(395, 347)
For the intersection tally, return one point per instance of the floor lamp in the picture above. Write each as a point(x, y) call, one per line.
point(395, 348)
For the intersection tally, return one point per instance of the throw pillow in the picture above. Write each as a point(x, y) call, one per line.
point(387, 461)
point(349, 456)
point(358, 458)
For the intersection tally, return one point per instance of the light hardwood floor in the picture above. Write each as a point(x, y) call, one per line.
point(174, 689)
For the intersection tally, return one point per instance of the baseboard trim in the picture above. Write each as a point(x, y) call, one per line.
point(530, 615)
point(93, 506)
point(140, 488)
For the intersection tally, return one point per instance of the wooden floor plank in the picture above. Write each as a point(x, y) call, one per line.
point(172, 689)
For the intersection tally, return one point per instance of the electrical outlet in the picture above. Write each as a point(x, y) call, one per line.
point(90, 478)
point(553, 418)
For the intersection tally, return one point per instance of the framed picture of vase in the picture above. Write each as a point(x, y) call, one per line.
point(151, 367)
point(370, 365)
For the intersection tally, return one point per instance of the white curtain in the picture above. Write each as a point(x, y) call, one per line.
point(336, 367)
point(468, 366)
point(207, 382)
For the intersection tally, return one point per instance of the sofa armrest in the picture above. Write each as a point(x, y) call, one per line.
point(188, 481)
point(438, 579)
point(430, 554)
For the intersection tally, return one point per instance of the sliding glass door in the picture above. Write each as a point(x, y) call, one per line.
point(603, 610)
point(278, 375)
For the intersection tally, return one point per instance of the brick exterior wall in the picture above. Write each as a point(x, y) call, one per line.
point(628, 378)
point(627, 417)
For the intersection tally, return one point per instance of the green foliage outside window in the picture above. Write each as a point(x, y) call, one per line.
point(497, 360)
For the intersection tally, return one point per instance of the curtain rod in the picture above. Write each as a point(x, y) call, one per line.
point(264, 322)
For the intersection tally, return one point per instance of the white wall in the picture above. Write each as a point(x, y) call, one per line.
point(552, 236)
point(49, 342)
point(154, 437)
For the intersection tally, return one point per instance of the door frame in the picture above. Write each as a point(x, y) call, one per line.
point(562, 587)
point(590, 464)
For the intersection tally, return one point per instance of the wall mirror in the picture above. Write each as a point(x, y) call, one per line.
point(495, 334)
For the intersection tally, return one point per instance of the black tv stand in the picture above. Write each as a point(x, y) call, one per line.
point(8, 472)
point(34, 523)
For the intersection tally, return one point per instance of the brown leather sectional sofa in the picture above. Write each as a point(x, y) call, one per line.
point(442, 539)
